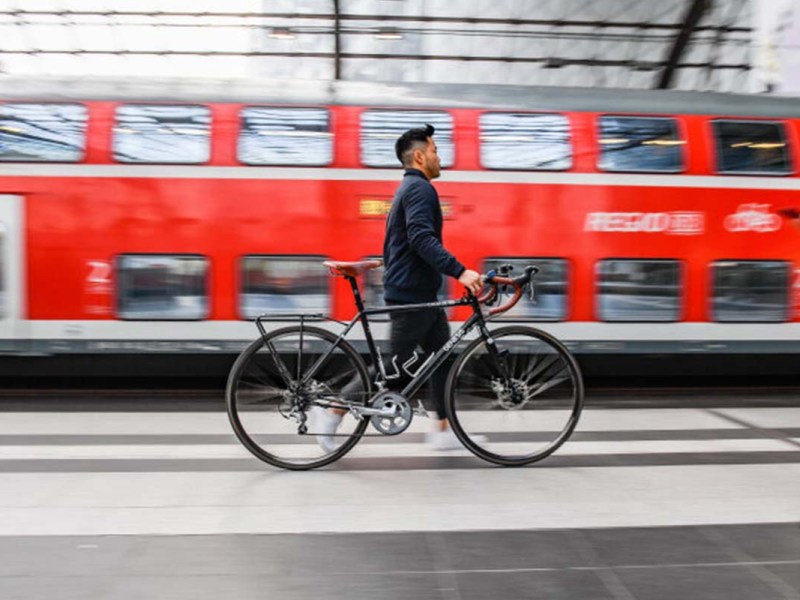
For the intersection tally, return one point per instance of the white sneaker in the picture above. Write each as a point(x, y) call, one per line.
point(443, 440)
point(325, 423)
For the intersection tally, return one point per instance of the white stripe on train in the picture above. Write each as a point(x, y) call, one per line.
point(331, 174)
point(567, 331)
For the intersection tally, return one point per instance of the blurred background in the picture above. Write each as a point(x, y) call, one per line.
point(169, 172)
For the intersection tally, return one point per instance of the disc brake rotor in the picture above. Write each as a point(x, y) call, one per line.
point(511, 395)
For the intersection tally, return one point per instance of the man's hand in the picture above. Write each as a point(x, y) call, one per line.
point(471, 280)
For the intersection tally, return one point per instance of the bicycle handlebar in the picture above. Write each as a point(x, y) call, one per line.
point(517, 283)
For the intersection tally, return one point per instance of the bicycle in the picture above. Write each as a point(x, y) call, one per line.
point(513, 396)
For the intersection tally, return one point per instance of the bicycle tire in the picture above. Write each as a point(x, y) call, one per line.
point(523, 419)
point(255, 381)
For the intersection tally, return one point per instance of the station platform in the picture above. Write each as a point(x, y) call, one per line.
point(656, 495)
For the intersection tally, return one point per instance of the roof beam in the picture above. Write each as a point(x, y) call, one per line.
point(590, 24)
point(337, 42)
point(693, 16)
point(546, 61)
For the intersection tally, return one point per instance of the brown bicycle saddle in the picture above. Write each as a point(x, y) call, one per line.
point(352, 269)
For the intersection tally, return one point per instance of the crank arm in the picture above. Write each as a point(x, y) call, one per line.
point(376, 412)
point(359, 411)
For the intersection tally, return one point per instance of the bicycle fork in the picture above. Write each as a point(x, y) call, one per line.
point(498, 363)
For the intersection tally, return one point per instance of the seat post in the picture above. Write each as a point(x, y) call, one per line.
point(373, 350)
point(356, 292)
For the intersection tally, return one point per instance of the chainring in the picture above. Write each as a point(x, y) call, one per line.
point(401, 413)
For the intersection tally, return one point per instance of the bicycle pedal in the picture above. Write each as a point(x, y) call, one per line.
point(420, 410)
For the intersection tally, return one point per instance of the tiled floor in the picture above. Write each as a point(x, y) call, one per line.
point(674, 502)
point(751, 562)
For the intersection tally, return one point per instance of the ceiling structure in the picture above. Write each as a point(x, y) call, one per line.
point(644, 44)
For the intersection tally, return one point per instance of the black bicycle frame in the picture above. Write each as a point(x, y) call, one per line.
point(431, 364)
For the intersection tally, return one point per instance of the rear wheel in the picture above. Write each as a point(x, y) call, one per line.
point(268, 403)
point(516, 404)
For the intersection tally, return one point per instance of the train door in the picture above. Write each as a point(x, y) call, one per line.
point(12, 285)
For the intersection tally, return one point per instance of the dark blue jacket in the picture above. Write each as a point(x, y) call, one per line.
point(413, 254)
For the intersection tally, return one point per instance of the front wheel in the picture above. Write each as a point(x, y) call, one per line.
point(515, 398)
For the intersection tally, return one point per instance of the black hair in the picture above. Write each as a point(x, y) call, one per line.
point(407, 142)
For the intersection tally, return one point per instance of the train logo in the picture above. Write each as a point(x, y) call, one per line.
point(672, 223)
point(753, 217)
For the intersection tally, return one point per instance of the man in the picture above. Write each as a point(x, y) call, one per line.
point(414, 261)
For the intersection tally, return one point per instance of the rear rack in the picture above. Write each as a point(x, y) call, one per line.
point(302, 317)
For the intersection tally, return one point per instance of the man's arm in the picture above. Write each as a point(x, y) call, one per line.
point(420, 216)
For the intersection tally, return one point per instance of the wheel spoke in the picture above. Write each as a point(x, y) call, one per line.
point(551, 383)
point(338, 378)
point(537, 366)
point(258, 370)
point(257, 394)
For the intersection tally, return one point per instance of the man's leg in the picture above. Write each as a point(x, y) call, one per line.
point(438, 334)
point(444, 438)
point(408, 330)
point(430, 330)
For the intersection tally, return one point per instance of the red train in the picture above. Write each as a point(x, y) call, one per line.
point(160, 217)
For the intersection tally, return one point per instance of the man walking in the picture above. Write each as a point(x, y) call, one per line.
point(415, 260)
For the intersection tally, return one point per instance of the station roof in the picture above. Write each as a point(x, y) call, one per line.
point(632, 44)
point(401, 95)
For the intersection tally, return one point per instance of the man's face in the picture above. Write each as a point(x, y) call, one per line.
point(430, 162)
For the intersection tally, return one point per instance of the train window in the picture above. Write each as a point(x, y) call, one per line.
point(162, 134)
point(751, 147)
point(644, 144)
point(751, 291)
point(42, 132)
point(162, 287)
point(639, 290)
point(549, 285)
point(285, 136)
point(525, 141)
point(373, 290)
point(381, 128)
point(283, 284)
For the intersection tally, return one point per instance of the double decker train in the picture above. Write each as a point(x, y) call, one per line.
point(157, 218)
